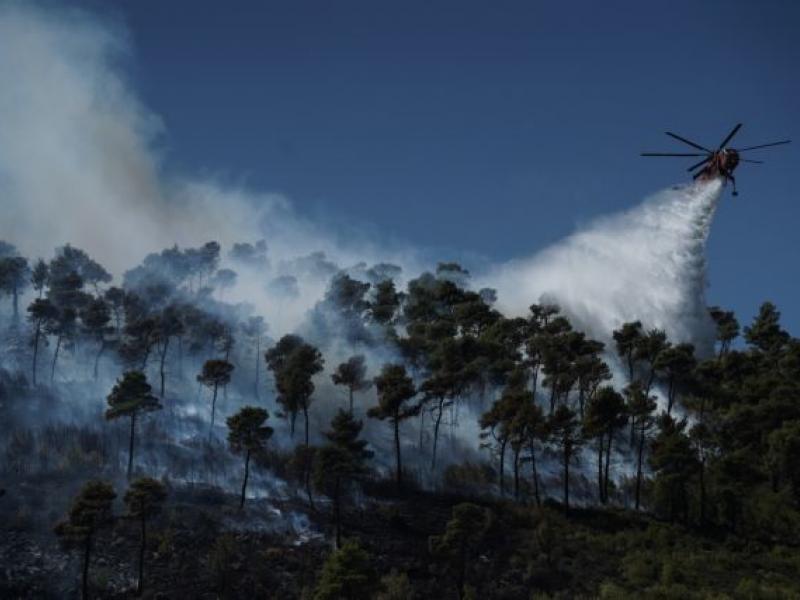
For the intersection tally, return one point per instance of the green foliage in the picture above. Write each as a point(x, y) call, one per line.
point(91, 510)
point(247, 431)
point(396, 586)
point(131, 396)
point(294, 363)
point(455, 550)
point(144, 498)
point(347, 575)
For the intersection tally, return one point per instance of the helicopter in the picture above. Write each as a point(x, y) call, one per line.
point(716, 163)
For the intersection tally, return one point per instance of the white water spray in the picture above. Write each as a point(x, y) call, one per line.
point(645, 264)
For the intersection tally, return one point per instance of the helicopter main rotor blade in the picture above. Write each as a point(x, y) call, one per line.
point(671, 154)
point(762, 146)
point(755, 162)
point(700, 164)
point(730, 135)
point(685, 141)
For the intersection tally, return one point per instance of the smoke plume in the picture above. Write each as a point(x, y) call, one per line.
point(645, 264)
point(79, 163)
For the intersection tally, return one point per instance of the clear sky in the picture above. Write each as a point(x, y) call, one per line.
point(487, 127)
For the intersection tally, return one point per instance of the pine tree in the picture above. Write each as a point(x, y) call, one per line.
point(215, 373)
point(248, 434)
point(347, 575)
point(351, 374)
point(143, 501)
point(395, 388)
point(340, 462)
point(131, 397)
point(90, 512)
point(565, 432)
point(456, 549)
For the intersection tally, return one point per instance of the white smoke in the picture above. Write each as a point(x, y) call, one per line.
point(645, 264)
point(79, 163)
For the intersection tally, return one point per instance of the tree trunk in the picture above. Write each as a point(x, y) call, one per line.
point(246, 476)
point(503, 467)
point(337, 517)
point(436, 432)
point(15, 296)
point(130, 445)
point(146, 356)
point(36, 336)
point(140, 583)
point(180, 356)
point(600, 470)
point(292, 421)
point(399, 464)
point(305, 418)
point(535, 476)
point(258, 365)
point(633, 430)
point(213, 411)
point(566, 480)
point(702, 493)
point(608, 463)
point(639, 469)
point(421, 427)
point(161, 365)
point(516, 473)
point(670, 395)
point(55, 359)
point(85, 576)
point(97, 358)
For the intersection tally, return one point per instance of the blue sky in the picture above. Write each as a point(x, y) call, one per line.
point(493, 128)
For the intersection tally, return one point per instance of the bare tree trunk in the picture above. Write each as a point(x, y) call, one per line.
point(213, 411)
point(130, 444)
point(305, 418)
point(566, 480)
point(161, 366)
point(55, 358)
point(97, 358)
point(246, 476)
point(436, 432)
point(670, 395)
point(337, 517)
point(36, 336)
point(140, 583)
point(516, 473)
point(639, 468)
point(258, 364)
point(399, 464)
point(421, 427)
point(15, 296)
point(503, 467)
point(535, 475)
point(608, 463)
point(600, 469)
point(702, 492)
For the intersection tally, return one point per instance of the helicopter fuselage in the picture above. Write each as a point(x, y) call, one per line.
point(722, 164)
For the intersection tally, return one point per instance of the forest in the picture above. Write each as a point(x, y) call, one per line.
point(407, 440)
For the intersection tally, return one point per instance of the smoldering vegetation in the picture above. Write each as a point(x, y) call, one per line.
point(165, 402)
